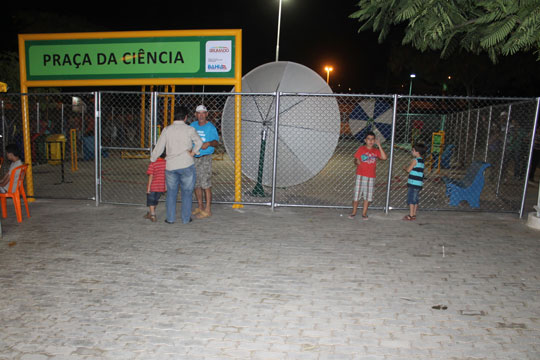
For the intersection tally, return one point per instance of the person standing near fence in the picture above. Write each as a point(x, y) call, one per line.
point(203, 162)
point(181, 143)
point(365, 159)
point(415, 181)
point(156, 186)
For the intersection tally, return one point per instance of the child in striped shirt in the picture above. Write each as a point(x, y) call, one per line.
point(156, 186)
point(415, 180)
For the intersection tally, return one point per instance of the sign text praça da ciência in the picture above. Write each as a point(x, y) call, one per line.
point(140, 57)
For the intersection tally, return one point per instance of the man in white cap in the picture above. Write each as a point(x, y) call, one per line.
point(203, 162)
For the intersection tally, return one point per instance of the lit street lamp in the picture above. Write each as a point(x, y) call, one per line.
point(328, 69)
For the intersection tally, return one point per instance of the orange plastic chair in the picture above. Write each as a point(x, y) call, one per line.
point(15, 191)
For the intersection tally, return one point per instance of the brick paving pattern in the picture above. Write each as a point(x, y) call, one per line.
point(85, 282)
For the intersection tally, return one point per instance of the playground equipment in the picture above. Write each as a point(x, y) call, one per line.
point(308, 126)
point(168, 110)
point(168, 118)
point(56, 147)
point(469, 188)
point(372, 115)
point(437, 146)
point(446, 157)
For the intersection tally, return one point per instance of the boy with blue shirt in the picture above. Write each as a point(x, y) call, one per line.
point(203, 162)
point(415, 181)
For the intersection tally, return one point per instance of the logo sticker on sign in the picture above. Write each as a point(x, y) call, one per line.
point(218, 56)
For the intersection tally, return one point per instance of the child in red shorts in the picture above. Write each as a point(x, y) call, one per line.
point(365, 159)
point(156, 186)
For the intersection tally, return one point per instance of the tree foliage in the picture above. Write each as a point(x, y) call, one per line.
point(495, 27)
point(9, 70)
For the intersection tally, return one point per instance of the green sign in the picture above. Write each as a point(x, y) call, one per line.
point(130, 58)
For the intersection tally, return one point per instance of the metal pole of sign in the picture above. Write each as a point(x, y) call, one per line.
point(274, 169)
point(97, 144)
point(37, 117)
point(389, 185)
point(62, 119)
point(503, 149)
point(488, 132)
point(476, 133)
point(531, 149)
point(151, 122)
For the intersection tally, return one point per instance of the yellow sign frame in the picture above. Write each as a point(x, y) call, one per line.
point(235, 81)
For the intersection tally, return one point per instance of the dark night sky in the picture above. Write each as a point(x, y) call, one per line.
point(313, 33)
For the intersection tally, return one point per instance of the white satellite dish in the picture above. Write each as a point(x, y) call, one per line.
point(309, 125)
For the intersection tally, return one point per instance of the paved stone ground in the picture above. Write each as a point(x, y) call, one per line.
point(80, 282)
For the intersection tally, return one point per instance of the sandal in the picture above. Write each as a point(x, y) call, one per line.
point(202, 214)
point(196, 211)
point(351, 216)
point(150, 217)
point(364, 217)
point(409, 218)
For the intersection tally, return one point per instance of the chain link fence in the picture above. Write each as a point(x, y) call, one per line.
point(297, 149)
point(61, 138)
point(495, 131)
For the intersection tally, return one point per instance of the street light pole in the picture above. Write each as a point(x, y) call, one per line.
point(278, 28)
point(412, 76)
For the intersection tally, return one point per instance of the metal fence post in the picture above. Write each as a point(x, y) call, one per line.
point(82, 128)
point(531, 149)
point(389, 185)
point(467, 136)
point(503, 149)
point(476, 133)
point(62, 118)
point(3, 132)
point(97, 143)
point(488, 132)
point(275, 155)
point(459, 137)
point(154, 115)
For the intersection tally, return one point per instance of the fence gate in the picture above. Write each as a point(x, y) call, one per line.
point(125, 140)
